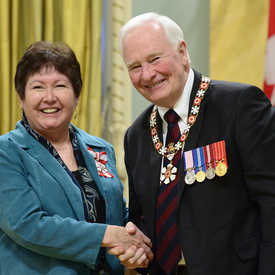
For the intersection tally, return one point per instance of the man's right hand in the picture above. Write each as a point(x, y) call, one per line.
point(129, 244)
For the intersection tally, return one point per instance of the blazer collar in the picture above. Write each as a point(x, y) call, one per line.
point(39, 152)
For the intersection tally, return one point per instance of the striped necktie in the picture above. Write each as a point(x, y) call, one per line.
point(168, 244)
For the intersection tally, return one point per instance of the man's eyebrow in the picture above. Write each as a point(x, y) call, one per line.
point(151, 55)
point(154, 54)
point(131, 64)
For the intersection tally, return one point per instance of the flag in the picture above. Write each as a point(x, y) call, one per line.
point(269, 75)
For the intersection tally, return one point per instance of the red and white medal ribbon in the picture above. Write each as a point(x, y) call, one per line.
point(220, 158)
point(209, 160)
point(100, 160)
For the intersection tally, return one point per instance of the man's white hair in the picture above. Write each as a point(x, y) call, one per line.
point(173, 32)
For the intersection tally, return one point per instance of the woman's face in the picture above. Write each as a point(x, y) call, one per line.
point(49, 102)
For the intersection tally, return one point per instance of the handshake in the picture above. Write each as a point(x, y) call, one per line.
point(129, 245)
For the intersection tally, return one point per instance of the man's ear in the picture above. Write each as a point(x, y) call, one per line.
point(182, 48)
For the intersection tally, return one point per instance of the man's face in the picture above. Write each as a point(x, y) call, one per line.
point(157, 71)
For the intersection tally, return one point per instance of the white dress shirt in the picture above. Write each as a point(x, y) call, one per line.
point(181, 107)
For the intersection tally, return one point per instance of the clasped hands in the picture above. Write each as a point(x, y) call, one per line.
point(129, 244)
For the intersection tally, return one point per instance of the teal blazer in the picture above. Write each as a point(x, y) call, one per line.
point(42, 225)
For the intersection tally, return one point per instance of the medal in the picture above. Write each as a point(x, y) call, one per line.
point(210, 173)
point(220, 158)
point(221, 169)
point(168, 173)
point(100, 160)
point(209, 159)
point(188, 164)
point(200, 176)
point(199, 162)
point(190, 177)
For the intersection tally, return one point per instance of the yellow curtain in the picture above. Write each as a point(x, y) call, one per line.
point(238, 33)
point(76, 22)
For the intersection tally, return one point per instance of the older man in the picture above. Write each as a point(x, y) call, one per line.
point(200, 160)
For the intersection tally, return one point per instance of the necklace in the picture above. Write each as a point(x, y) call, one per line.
point(169, 171)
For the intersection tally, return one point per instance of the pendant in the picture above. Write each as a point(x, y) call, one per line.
point(170, 156)
point(171, 151)
point(168, 173)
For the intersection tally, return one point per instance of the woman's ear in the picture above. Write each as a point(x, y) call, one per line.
point(77, 101)
point(20, 101)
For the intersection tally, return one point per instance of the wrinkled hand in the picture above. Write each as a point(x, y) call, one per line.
point(132, 258)
point(138, 254)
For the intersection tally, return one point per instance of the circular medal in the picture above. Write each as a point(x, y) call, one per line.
point(190, 177)
point(200, 177)
point(221, 169)
point(210, 173)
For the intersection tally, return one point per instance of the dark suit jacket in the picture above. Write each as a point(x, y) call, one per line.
point(227, 224)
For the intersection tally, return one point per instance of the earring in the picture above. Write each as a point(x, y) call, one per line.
point(75, 116)
point(23, 115)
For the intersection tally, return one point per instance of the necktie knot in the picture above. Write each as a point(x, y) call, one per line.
point(171, 116)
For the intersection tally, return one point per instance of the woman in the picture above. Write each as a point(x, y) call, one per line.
point(61, 199)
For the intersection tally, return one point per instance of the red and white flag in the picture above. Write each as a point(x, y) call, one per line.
point(269, 76)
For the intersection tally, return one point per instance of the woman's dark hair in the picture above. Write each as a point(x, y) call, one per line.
point(47, 54)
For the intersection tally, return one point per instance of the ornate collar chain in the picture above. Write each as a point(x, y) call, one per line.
point(164, 151)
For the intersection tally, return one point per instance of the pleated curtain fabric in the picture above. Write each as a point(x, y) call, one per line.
point(78, 23)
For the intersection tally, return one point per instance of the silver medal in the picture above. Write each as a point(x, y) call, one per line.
point(190, 177)
point(210, 173)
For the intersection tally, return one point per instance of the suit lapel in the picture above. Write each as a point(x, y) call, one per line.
point(181, 182)
point(61, 176)
point(191, 141)
point(50, 164)
point(193, 136)
point(155, 166)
